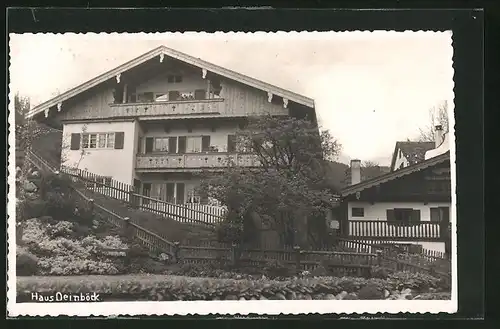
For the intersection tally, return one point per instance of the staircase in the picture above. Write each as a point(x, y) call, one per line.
point(45, 157)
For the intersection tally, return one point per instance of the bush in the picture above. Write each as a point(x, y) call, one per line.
point(161, 287)
point(61, 254)
point(229, 232)
point(26, 263)
point(27, 209)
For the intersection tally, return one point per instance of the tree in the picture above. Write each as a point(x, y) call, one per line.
point(288, 192)
point(23, 127)
point(438, 115)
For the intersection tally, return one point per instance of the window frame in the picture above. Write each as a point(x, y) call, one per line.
point(353, 215)
point(188, 138)
point(87, 138)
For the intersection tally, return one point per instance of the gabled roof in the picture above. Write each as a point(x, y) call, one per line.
point(168, 52)
point(395, 174)
point(414, 152)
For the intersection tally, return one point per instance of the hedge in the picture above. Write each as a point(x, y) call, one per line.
point(168, 288)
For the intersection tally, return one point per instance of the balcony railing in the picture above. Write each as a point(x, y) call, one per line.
point(194, 160)
point(382, 229)
point(174, 108)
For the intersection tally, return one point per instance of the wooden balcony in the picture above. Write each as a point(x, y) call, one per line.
point(381, 229)
point(207, 107)
point(147, 162)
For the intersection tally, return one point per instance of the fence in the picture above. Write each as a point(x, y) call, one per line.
point(340, 263)
point(150, 240)
point(185, 213)
point(394, 229)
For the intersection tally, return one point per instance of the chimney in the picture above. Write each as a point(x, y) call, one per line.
point(438, 135)
point(355, 172)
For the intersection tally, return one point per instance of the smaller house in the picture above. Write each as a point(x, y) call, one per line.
point(408, 153)
point(411, 205)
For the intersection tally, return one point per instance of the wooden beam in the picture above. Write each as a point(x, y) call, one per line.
point(118, 76)
point(269, 97)
point(285, 102)
point(59, 106)
point(203, 73)
point(124, 98)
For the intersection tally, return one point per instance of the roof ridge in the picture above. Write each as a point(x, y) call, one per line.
point(186, 58)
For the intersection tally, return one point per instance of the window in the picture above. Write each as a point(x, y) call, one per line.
point(146, 97)
point(193, 144)
point(174, 78)
point(435, 215)
point(161, 144)
point(440, 214)
point(98, 140)
point(174, 95)
point(358, 212)
point(403, 215)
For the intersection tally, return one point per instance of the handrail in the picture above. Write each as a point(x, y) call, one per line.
point(82, 195)
point(130, 190)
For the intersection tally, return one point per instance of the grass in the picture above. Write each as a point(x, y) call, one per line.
point(168, 228)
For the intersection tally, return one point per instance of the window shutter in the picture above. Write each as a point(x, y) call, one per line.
point(435, 215)
point(75, 141)
point(172, 145)
point(390, 215)
point(139, 145)
point(199, 94)
point(180, 193)
point(231, 143)
point(173, 95)
point(182, 144)
point(415, 215)
point(205, 143)
point(170, 192)
point(149, 144)
point(119, 140)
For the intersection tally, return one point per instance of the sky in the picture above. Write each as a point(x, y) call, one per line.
point(370, 89)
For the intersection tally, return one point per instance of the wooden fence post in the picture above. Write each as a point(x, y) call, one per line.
point(297, 257)
point(234, 254)
point(127, 228)
point(177, 251)
point(91, 205)
point(132, 198)
point(379, 257)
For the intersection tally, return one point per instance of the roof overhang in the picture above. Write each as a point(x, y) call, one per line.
point(161, 52)
point(395, 174)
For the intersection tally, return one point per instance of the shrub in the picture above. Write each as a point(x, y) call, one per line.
point(26, 263)
point(371, 291)
point(60, 254)
point(26, 209)
point(160, 287)
point(229, 232)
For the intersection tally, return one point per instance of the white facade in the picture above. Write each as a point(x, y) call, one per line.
point(106, 161)
point(401, 161)
point(378, 212)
